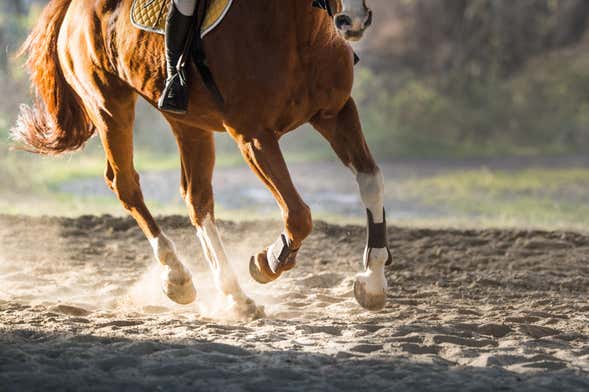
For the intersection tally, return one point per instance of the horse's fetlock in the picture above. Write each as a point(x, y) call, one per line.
point(377, 258)
point(299, 223)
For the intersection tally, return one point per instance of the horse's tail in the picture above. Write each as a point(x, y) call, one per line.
point(57, 122)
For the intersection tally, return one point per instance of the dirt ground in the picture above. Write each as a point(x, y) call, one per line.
point(81, 309)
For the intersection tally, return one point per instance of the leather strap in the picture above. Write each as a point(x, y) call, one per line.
point(377, 234)
point(324, 5)
point(281, 253)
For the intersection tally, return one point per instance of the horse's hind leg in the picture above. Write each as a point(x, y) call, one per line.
point(344, 133)
point(116, 133)
point(197, 154)
point(262, 153)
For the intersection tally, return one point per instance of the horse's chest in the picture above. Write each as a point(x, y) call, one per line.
point(322, 83)
point(286, 91)
point(331, 77)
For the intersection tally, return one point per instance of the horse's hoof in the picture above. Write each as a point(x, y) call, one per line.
point(370, 298)
point(181, 291)
point(247, 309)
point(182, 294)
point(260, 270)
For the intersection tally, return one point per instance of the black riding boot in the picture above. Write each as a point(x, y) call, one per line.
point(174, 98)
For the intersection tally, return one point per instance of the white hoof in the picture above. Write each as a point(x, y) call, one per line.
point(370, 290)
point(178, 286)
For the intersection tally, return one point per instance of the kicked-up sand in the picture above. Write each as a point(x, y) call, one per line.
point(81, 309)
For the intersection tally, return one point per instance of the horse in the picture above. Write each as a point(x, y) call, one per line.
point(279, 65)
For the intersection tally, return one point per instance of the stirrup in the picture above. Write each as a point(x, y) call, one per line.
point(174, 98)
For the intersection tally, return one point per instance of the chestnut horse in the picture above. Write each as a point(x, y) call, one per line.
point(278, 63)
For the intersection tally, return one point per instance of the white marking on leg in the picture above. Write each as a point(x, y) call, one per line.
point(176, 278)
point(372, 193)
point(239, 305)
point(165, 251)
point(371, 285)
point(225, 278)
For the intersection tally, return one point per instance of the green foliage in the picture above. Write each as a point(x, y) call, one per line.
point(532, 197)
point(543, 109)
point(481, 78)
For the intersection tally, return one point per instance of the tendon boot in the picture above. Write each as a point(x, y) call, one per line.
point(174, 98)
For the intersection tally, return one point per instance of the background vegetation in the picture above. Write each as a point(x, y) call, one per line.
point(443, 80)
point(437, 78)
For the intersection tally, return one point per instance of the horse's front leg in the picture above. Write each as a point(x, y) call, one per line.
point(262, 153)
point(344, 133)
point(197, 154)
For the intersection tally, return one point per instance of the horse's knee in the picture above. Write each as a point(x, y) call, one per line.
point(299, 224)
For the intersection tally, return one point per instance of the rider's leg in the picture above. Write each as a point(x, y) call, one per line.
point(180, 17)
point(186, 7)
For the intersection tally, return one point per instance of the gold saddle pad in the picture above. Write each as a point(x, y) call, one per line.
point(150, 15)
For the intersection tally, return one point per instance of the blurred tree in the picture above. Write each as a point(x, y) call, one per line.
point(437, 77)
point(474, 37)
point(11, 13)
point(19, 7)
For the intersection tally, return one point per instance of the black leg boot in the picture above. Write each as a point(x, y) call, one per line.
point(174, 98)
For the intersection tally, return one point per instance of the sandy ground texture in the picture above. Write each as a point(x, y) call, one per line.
point(81, 309)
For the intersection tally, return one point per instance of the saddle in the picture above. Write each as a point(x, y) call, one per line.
point(150, 15)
